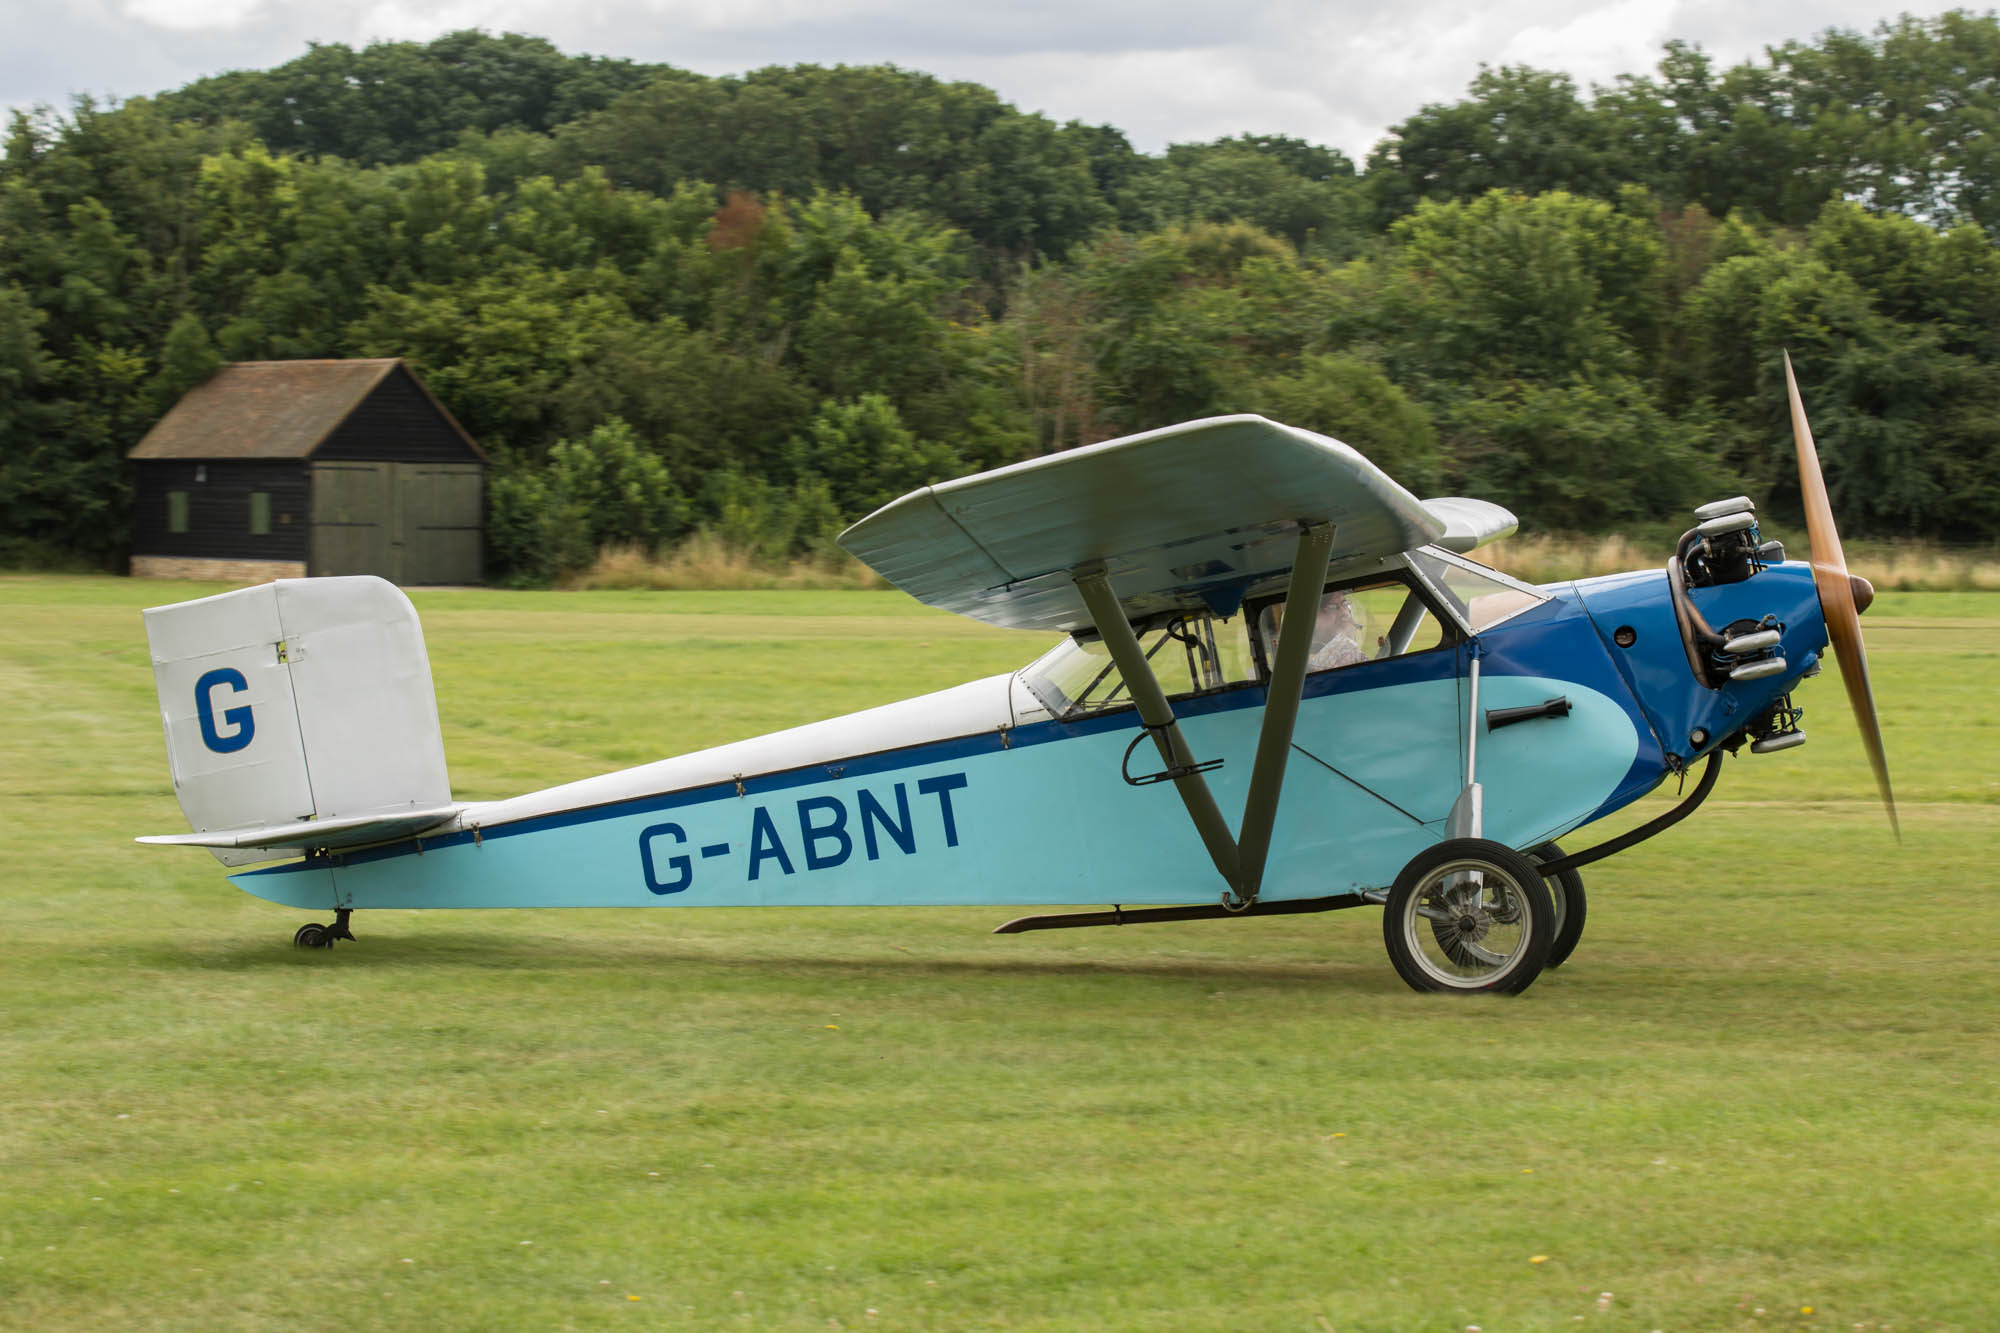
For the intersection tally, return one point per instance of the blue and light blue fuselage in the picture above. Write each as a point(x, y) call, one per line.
point(978, 795)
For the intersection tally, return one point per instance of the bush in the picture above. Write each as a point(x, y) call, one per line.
point(603, 490)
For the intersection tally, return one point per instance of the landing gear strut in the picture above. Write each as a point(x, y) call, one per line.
point(312, 935)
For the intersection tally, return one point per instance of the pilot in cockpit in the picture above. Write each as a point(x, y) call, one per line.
point(1336, 634)
point(1336, 637)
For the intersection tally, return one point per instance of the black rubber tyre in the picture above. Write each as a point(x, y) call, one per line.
point(312, 935)
point(1469, 916)
point(1566, 893)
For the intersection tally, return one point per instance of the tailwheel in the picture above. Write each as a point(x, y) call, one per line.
point(312, 935)
point(1469, 915)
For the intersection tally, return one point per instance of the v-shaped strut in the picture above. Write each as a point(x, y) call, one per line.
point(1238, 858)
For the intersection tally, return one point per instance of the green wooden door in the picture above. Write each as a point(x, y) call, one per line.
point(439, 512)
point(410, 523)
point(350, 519)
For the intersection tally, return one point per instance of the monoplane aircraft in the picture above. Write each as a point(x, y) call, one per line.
point(1256, 621)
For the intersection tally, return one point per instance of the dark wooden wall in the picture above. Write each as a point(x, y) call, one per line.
point(219, 508)
point(396, 423)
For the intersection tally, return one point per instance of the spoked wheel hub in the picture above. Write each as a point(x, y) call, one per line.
point(1469, 915)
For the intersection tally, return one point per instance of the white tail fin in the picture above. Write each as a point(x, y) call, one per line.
point(297, 713)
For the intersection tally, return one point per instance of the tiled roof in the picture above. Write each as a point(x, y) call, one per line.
point(264, 409)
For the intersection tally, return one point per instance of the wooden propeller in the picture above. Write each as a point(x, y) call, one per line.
point(1842, 597)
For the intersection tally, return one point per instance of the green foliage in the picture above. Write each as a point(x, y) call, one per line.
point(32, 474)
point(1307, 194)
point(865, 299)
point(625, 492)
point(769, 523)
point(1898, 374)
point(24, 365)
point(802, 291)
point(505, 349)
point(1175, 323)
point(1580, 455)
point(400, 101)
point(1522, 129)
point(865, 455)
point(186, 359)
point(1507, 286)
point(1354, 402)
point(1896, 120)
point(896, 140)
point(606, 489)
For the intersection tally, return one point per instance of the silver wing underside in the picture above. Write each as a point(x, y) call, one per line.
point(1207, 512)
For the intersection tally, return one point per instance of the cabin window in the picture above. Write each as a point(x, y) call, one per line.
point(177, 511)
point(260, 513)
point(1191, 653)
point(1365, 622)
point(1483, 597)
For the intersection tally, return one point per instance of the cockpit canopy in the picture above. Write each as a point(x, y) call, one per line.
point(1425, 600)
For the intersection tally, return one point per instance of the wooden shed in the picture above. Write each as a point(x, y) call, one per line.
point(282, 469)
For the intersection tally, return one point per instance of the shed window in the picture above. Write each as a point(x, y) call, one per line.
point(260, 513)
point(177, 511)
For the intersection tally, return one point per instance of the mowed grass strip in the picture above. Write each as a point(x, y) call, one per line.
point(1763, 1085)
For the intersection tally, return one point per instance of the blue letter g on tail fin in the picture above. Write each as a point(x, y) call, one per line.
point(204, 708)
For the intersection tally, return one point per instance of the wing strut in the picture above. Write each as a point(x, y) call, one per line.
point(1240, 861)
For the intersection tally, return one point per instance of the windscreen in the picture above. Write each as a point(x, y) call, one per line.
point(1190, 654)
point(1484, 597)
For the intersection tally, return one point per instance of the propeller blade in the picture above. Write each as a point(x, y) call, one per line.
point(1838, 597)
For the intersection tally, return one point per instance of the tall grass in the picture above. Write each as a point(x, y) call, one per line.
point(1892, 566)
point(1544, 559)
point(1911, 566)
point(706, 560)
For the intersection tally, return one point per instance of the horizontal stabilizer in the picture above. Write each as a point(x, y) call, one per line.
point(355, 831)
point(1470, 523)
point(1204, 513)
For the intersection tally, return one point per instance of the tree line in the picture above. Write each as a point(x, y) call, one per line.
point(765, 304)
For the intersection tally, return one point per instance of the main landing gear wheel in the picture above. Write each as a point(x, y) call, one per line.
point(1566, 895)
point(1469, 915)
point(312, 935)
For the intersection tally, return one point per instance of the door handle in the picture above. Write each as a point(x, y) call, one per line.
point(1497, 718)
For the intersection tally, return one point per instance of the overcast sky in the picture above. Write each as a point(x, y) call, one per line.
point(1338, 72)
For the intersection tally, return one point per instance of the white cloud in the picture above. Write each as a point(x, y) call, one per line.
point(1156, 96)
point(1334, 71)
point(194, 15)
point(1598, 45)
point(398, 21)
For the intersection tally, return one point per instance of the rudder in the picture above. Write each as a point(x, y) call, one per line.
point(302, 700)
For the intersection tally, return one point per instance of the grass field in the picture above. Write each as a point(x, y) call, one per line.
point(1762, 1095)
